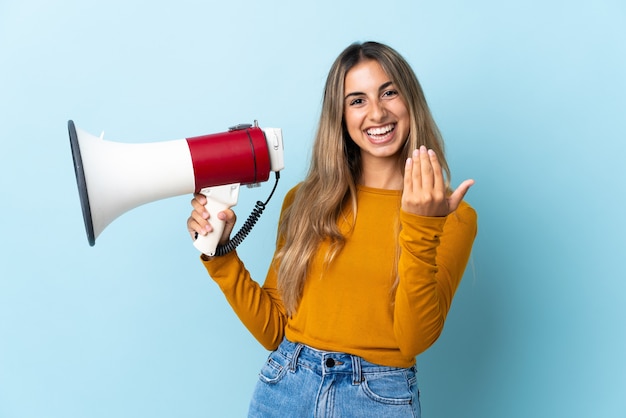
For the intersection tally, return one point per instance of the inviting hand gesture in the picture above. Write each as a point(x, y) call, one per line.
point(425, 191)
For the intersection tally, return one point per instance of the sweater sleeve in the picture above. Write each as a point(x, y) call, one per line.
point(434, 254)
point(260, 308)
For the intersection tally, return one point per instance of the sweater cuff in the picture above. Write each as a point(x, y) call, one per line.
point(218, 267)
point(421, 234)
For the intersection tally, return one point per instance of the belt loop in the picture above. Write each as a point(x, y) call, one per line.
point(357, 376)
point(294, 359)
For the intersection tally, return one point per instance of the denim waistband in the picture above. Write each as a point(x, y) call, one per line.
point(329, 362)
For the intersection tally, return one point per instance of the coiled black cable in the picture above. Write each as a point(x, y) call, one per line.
point(247, 225)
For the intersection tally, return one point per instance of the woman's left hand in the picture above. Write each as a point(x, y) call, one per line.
point(425, 191)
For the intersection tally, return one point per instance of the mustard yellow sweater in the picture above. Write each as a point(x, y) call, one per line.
point(349, 306)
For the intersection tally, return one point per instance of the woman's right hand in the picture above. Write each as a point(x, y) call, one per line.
point(199, 221)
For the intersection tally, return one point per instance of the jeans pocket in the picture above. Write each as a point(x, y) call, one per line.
point(274, 368)
point(391, 388)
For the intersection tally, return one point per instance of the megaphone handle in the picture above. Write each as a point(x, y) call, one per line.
point(218, 198)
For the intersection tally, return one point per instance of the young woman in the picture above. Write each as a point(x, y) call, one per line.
point(371, 248)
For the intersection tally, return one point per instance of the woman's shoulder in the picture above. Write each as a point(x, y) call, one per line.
point(291, 195)
point(464, 214)
point(466, 209)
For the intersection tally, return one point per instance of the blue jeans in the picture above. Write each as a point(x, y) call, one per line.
point(299, 381)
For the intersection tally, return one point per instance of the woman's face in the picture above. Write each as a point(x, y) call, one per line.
point(375, 115)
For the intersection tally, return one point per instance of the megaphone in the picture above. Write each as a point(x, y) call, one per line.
point(114, 177)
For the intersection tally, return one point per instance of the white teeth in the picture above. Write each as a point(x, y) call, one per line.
point(380, 131)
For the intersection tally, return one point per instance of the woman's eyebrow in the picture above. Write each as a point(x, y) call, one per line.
point(385, 85)
point(356, 93)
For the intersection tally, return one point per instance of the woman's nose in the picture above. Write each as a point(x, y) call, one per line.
point(378, 111)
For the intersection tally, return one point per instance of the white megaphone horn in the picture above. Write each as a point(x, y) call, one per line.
point(114, 177)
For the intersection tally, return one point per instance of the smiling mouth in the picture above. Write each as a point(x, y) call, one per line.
point(381, 133)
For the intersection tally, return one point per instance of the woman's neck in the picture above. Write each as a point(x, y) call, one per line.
point(382, 174)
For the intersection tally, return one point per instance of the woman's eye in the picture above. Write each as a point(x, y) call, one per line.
point(390, 93)
point(356, 102)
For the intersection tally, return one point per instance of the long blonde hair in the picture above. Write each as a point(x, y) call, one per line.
point(336, 167)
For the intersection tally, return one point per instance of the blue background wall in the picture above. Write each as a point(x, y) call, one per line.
point(530, 96)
